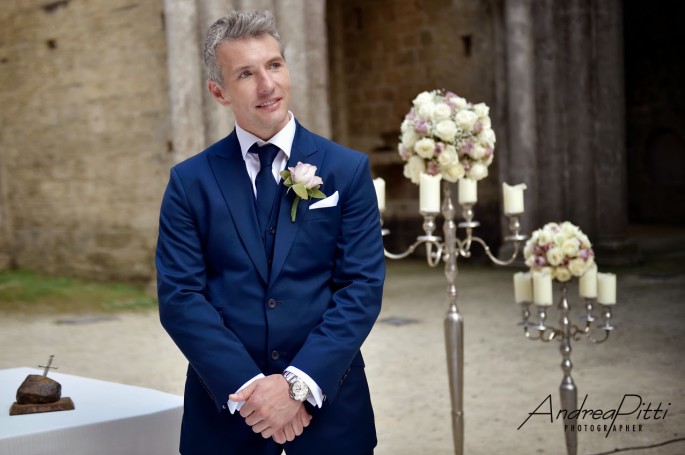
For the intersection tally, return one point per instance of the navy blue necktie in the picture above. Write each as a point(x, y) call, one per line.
point(265, 183)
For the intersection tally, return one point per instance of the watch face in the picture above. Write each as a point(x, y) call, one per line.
point(299, 390)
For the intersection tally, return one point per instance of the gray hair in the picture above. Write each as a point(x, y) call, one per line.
point(236, 25)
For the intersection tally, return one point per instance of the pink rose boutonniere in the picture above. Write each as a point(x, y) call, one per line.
point(302, 179)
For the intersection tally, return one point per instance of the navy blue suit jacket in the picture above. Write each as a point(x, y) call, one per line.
point(234, 316)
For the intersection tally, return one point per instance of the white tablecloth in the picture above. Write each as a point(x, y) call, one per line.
point(109, 419)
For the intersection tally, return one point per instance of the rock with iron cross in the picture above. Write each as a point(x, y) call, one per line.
point(39, 389)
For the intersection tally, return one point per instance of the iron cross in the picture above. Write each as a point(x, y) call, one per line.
point(48, 366)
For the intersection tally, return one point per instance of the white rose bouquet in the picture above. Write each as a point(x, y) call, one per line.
point(562, 248)
point(445, 134)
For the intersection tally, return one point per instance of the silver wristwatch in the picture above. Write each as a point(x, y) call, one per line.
point(298, 388)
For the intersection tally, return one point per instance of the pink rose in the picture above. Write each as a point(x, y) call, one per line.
point(305, 174)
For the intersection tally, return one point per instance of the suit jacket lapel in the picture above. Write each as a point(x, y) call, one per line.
point(304, 149)
point(229, 170)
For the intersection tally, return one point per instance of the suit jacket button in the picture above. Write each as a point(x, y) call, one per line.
point(272, 230)
point(271, 303)
point(275, 355)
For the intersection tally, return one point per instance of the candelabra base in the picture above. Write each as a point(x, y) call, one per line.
point(565, 333)
point(448, 249)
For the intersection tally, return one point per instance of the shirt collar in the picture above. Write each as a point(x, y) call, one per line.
point(283, 139)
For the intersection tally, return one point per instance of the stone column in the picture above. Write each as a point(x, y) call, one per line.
point(610, 170)
point(218, 119)
point(520, 161)
point(552, 165)
point(578, 112)
point(338, 92)
point(185, 81)
point(302, 26)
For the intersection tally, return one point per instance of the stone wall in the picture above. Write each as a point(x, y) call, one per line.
point(100, 97)
point(83, 135)
point(390, 50)
point(383, 54)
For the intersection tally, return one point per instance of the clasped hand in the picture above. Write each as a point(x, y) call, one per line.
point(270, 411)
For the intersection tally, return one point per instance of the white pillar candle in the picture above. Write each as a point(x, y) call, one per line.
point(429, 193)
point(513, 198)
point(606, 288)
point(542, 288)
point(523, 287)
point(468, 191)
point(379, 185)
point(587, 286)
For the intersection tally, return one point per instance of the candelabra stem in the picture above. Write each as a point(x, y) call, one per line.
point(567, 390)
point(454, 323)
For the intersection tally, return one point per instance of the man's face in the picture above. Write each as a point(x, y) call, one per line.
point(256, 84)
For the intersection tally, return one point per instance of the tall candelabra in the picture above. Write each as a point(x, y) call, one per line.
point(540, 330)
point(449, 250)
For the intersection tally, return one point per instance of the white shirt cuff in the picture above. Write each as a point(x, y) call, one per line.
point(234, 406)
point(316, 396)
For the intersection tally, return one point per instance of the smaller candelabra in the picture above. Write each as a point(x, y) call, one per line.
point(448, 250)
point(595, 329)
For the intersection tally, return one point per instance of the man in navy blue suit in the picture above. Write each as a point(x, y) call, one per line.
point(269, 306)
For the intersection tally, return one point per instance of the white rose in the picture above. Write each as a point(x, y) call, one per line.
point(559, 238)
point(426, 110)
point(478, 172)
point(466, 119)
point(448, 156)
point(409, 138)
point(577, 266)
point(481, 110)
point(569, 228)
point(422, 98)
point(562, 274)
point(486, 123)
point(413, 169)
point(453, 172)
point(442, 111)
point(446, 130)
point(571, 247)
point(554, 256)
point(488, 160)
point(584, 240)
point(425, 148)
point(460, 103)
point(544, 237)
point(487, 136)
point(528, 249)
point(477, 152)
point(530, 261)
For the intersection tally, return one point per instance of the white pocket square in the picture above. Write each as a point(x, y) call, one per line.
point(330, 201)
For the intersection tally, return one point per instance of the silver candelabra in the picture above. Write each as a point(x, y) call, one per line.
point(540, 330)
point(448, 250)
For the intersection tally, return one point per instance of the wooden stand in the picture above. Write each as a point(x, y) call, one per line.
point(63, 404)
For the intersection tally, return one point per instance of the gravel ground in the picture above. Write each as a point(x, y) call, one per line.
point(506, 376)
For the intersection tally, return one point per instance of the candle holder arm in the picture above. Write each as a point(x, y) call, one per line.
point(430, 241)
point(432, 257)
point(488, 252)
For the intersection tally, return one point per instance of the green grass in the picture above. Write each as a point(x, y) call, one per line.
point(22, 291)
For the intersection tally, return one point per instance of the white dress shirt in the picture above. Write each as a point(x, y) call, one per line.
point(284, 141)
